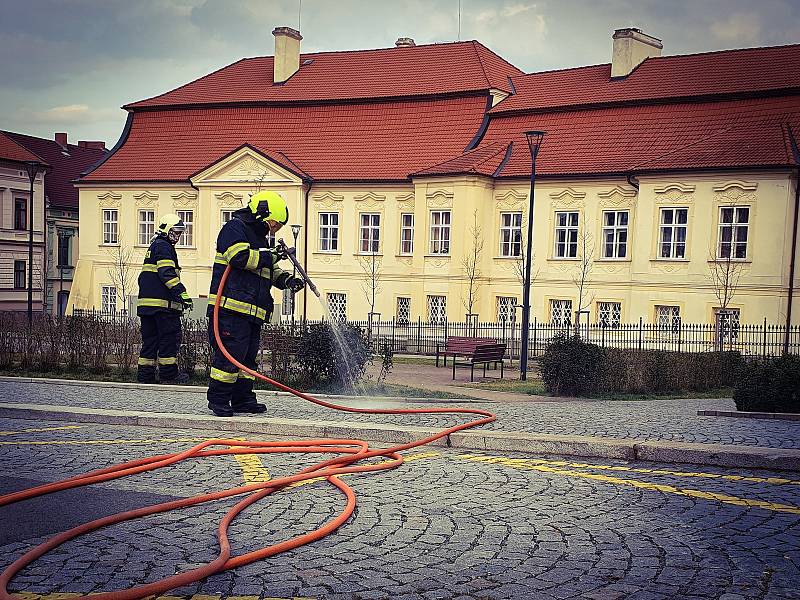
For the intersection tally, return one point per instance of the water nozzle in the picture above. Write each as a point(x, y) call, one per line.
point(291, 255)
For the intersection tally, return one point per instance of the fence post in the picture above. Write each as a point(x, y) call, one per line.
point(640, 333)
point(764, 343)
point(535, 329)
point(419, 333)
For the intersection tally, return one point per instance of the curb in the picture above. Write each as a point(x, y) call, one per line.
point(202, 389)
point(719, 455)
point(749, 415)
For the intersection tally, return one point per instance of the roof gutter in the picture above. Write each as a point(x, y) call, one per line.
point(122, 139)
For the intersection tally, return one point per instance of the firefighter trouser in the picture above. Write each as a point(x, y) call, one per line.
point(161, 338)
point(230, 388)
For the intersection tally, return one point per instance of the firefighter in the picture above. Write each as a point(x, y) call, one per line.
point(246, 301)
point(162, 299)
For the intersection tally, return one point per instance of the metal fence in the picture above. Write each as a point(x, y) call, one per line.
point(420, 337)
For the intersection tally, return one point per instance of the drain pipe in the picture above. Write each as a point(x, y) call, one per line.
point(794, 255)
point(305, 249)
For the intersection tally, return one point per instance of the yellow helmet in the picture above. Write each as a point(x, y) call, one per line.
point(269, 205)
point(171, 226)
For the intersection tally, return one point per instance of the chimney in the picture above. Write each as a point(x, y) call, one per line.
point(61, 139)
point(631, 48)
point(92, 145)
point(287, 53)
point(404, 42)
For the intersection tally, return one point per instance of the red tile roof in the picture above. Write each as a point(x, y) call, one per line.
point(347, 141)
point(433, 69)
point(690, 135)
point(66, 166)
point(751, 70)
point(11, 150)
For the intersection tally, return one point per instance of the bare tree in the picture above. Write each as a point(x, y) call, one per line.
point(122, 271)
point(724, 273)
point(471, 265)
point(371, 282)
point(582, 274)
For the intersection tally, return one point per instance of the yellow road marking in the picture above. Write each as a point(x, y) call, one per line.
point(724, 498)
point(253, 470)
point(579, 465)
point(90, 442)
point(420, 455)
point(37, 429)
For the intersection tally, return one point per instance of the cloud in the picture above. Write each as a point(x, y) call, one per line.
point(738, 28)
point(69, 114)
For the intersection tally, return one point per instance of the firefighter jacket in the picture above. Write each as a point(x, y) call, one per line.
point(160, 287)
point(242, 244)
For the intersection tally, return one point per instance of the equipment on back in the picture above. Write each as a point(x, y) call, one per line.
point(172, 227)
point(269, 206)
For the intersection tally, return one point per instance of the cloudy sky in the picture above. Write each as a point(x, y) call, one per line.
point(68, 65)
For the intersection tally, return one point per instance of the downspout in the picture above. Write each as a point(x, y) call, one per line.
point(792, 260)
point(631, 178)
point(305, 250)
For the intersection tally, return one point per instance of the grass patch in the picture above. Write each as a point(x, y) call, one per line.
point(717, 393)
point(533, 387)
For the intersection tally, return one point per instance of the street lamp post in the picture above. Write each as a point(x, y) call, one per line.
point(32, 167)
point(295, 232)
point(534, 139)
point(63, 234)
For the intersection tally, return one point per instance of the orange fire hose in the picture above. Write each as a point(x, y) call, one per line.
point(352, 451)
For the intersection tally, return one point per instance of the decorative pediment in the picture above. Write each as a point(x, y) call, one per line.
point(407, 197)
point(567, 198)
point(440, 198)
point(244, 166)
point(743, 186)
point(674, 187)
point(146, 199)
point(228, 199)
point(327, 198)
point(617, 196)
point(510, 199)
point(110, 199)
point(184, 195)
point(369, 197)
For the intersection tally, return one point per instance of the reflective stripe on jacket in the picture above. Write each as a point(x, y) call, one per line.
point(247, 289)
point(160, 287)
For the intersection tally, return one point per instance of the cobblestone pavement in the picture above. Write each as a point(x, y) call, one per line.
point(674, 420)
point(446, 524)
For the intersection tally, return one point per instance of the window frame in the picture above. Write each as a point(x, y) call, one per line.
point(441, 309)
point(63, 251)
point(403, 229)
point(438, 231)
point(507, 231)
point(606, 306)
point(222, 219)
point(21, 214)
point(340, 307)
point(187, 239)
point(108, 299)
point(20, 273)
point(616, 229)
point(110, 227)
point(329, 228)
point(143, 233)
point(734, 227)
point(372, 230)
point(568, 244)
point(673, 227)
point(559, 322)
point(510, 310)
point(661, 316)
point(398, 317)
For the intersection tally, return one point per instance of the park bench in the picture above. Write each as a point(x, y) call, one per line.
point(482, 354)
point(460, 346)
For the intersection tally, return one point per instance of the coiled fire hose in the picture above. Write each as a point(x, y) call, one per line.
point(351, 451)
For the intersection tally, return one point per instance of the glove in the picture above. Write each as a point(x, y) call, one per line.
point(295, 284)
point(187, 301)
point(280, 252)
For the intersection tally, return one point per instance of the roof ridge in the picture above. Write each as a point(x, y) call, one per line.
point(480, 62)
point(454, 43)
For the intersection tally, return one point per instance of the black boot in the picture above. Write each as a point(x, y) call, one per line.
point(254, 408)
point(220, 411)
point(180, 379)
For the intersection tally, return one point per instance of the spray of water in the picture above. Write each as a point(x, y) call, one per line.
point(347, 360)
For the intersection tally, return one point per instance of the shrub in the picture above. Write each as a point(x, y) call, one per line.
point(572, 367)
point(770, 386)
point(322, 359)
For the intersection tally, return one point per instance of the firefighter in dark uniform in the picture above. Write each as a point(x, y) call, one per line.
point(162, 299)
point(246, 301)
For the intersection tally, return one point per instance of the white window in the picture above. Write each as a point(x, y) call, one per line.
point(187, 239)
point(727, 324)
point(226, 215)
point(440, 232)
point(566, 234)
point(609, 314)
point(734, 222)
point(147, 226)
point(329, 232)
point(287, 305)
point(370, 236)
point(337, 305)
point(407, 233)
point(615, 234)
point(672, 239)
point(403, 309)
point(506, 309)
point(437, 309)
point(561, 313)
point(110, 226)
point(511, 234)
point(668, 318)
point(108, 299)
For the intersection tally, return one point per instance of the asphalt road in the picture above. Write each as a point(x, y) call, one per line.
point(447, 524)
